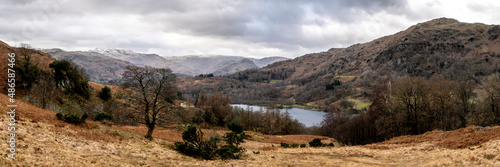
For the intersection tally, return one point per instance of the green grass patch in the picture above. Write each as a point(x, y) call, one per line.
point(359, 105)
point(273, 81)
point(302, 106)
point(347, 76)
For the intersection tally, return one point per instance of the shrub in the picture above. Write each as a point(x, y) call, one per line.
point(285, 145)
point(73, 119)
point(192, 135)
point(194, 146)
point(236, 137)
point(229, 152)
point(59, 116)
point(316, 142)
point(105, 93)
point(331, 145)
point(303, 146)
point(103, 116)
point(235, 128)
point(84, 116)
point(71, 78)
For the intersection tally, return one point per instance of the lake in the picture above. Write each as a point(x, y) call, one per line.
point(307, 117)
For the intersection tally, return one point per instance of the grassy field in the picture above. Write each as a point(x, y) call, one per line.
point(302, 106)
point(359, 105)
point(42, 140)
point(273, 81)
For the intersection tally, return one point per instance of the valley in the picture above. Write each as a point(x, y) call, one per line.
point(426, 96)
point(46, 141)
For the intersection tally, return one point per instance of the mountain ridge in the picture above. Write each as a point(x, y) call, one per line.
point(191, 65)
point(95, 62)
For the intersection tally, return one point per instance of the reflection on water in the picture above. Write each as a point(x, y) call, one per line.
point(307, 117)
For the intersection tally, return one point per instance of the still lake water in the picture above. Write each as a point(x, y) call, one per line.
point(307, 117)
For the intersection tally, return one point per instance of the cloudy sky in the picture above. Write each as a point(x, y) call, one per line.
point(252, 28)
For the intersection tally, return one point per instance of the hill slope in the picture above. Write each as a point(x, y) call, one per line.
point(101, 68)
point(443, 47)
point(42, 59)
point(45, 141)
point(240, 65)
point(433, 47)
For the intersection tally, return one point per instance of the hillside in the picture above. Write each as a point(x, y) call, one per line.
point(100, 68)
point(45, 141)
point(240, 65)
point(434, 47)
point(190, 65)
point(441, 47)
point(42, 59)
point(267, 60)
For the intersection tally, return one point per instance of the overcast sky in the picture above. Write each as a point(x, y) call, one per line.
point(252, 28)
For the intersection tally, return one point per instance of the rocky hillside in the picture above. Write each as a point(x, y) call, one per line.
point(443, 47)
point(440, 46)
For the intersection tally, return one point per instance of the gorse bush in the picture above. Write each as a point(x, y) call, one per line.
point(195, 146)
point(71, 118)
point(103, 116)
point(285, 145)
point(105, 93)
point(316, 143)
point(294, 145)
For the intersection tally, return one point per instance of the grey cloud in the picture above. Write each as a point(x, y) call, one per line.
point(261, 23)
point(269, 23)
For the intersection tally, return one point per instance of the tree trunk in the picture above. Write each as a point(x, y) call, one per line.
point(149, 135)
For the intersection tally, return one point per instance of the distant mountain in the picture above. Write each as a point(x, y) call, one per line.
point(267, 60)
point(101, 68)
point(190, 65)
point(108, 64)
point(240, 65)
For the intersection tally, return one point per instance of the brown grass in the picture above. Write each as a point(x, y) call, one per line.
point(460, 138)
point(42, 140)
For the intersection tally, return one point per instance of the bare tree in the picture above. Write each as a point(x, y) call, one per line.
point(44, 88)
point(151, 95)
point(492, 89)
